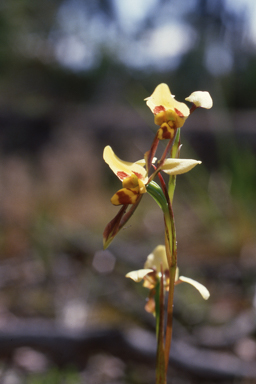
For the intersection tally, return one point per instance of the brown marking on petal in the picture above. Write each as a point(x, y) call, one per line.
point(139, 175)
point(165, 133)
point(121, 175)
point(178, 112)
point(124, 198)
point(158, 109)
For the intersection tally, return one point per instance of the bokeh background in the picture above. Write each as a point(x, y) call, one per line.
point(73, 77)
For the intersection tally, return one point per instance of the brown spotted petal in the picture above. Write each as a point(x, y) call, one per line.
point(125, 196)
point(166, 132)
point(123, 169)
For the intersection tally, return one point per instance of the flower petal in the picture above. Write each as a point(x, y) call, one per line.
point(157, 258)
point(113, 227)
point(201, 99)
point(125, 196)
point(178, 166)
point(200, 287)
point(139, 275)
point(121, 168)
point(162, 100)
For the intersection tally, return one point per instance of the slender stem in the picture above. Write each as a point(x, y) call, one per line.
point(161, 161)
point(162, 198)
point(167, 149)
point(168, 336)
point(171, 252)
point(149, 155)
point(160, 362)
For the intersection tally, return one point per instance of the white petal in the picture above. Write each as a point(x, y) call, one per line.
point(201, 99)
point(178, 166)
point(200, 287)
point(123, 168)
point(139, 275)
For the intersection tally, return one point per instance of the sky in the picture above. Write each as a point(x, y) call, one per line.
point(248, 6)
point(161, 47)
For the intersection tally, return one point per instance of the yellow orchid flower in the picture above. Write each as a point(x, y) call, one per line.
point(171, 114)
point(165, 108)
point(134, 176)
point(157, 262)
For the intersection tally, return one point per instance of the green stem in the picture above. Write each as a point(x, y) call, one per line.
point(168, 336)
point(162, 199)
point(160, 361)
point(171, 252)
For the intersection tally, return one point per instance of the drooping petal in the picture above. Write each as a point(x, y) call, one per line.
point(121, 168)
point(201, 99)
point(157, 259)
point(125, 196)
point(117, 223)
point(178, 166)
point(138, 275)
point(200, 287)
point(113, 227)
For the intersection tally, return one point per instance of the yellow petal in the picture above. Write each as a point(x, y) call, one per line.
point(178, 166)
point(157, 258)
point(162, 100)
point(200, 287)
point(139, 275)
point(122, 168)
point(201, 99)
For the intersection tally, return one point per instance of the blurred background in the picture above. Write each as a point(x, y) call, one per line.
point(73, 77)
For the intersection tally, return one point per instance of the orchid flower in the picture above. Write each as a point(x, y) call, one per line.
point(155, 265)
point(171, 114)
point(134, 176)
